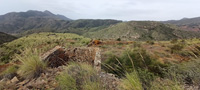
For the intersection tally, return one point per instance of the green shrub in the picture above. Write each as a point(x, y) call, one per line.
point(165, 84)
point(77, 76)
point(31, 64)
point(137, 58)
point(150, 42)
point(131, 82)
point(186, 72)
point(138, 61)
point(118, 39)
point(176, 48)
point(146, 78)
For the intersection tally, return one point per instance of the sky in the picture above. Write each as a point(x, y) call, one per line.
point(158, 10)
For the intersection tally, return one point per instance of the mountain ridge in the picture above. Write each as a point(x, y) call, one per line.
point(6, 38)
point(24, 23)
point(142, 30)
point(188, 24)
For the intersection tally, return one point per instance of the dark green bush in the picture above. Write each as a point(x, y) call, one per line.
point(119, 39)
point(132, 59)
point(186, 72)
point(150, 42)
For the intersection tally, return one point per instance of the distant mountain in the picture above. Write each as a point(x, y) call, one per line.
point(6, 38)
point(23, 23)
point(37, 21)
point(189, 24)
point(30, 14)
point(16, 22)
point(142, 30)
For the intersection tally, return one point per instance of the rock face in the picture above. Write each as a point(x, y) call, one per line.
point(55, 57)
point(60, 56)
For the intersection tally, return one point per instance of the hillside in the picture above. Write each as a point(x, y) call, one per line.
point(36, 21)
point(16, 22)
point(42, 41)
point(25, 23)
point(63, 60)
point(141, 30)
point(6, 38)
point(189, 24)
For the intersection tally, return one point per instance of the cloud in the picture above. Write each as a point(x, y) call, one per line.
point(109, 9)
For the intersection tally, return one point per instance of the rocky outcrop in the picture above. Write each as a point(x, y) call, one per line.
point(60, 56)
point(55, 57)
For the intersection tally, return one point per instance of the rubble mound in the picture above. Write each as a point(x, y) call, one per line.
point(60, 56)
point(56, 59)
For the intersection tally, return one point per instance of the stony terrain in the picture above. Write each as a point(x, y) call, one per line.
point(56, 58)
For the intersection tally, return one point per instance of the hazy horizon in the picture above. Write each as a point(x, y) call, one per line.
point(126, 10)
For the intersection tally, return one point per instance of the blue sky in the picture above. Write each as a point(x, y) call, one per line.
point(109, 9)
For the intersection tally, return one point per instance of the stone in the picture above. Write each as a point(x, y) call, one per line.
point(14, 80)
point(55, 57)
point(60, 56)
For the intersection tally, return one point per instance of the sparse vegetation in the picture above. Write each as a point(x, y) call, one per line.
point(176, 48)
point(142, 55)
point(131, 82)
point(9, 72)
point(31, 65)
point(165, 84)
point(137, 57)
point(41, 41)
point(150, 65)
point(79, 76)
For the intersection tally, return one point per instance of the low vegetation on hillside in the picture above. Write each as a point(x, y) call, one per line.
point(6, 38)
point(42, 41)
point(141, 30)
point(137, 65)
point(140, 69)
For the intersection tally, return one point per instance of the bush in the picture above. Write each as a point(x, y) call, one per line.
point(165, 84)
point(79, 76)
point(145, 68)
point(146, 78)
point(31, 66)
point(150, 42)
point(176, 48)
point(135, 58)
point(131, 82)
point(118, 39)
point(186, 72)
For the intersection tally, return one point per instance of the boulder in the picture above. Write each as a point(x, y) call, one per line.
point(60, 56)
point(55, 57)
point(14, 80)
